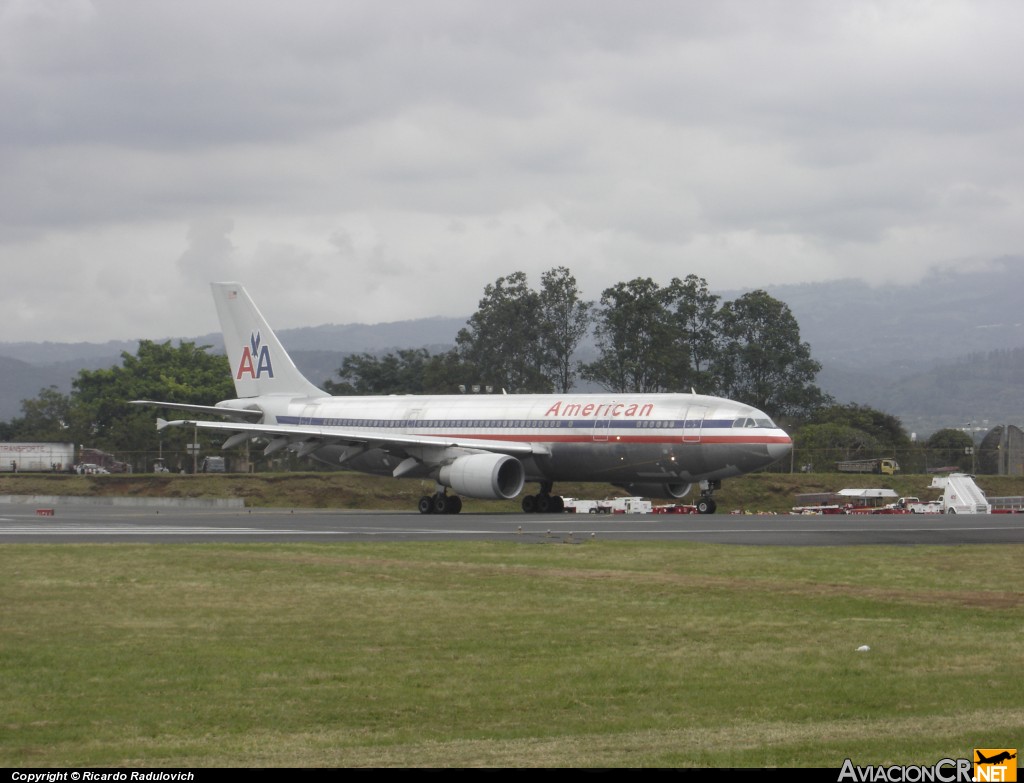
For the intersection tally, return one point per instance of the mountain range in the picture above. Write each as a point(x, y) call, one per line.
point(945, 352)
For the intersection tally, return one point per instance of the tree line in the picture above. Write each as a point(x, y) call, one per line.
point(648, 338)
point(644, 337)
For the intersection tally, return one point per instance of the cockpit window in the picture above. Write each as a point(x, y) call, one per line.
point(749, 422)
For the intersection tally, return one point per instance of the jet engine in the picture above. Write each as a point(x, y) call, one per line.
point(488, 476)
point(667, 491)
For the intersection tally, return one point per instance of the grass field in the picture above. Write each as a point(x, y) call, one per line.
point(482, 654)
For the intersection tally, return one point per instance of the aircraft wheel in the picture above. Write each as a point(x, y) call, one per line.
point(454, 504)
point(557, 504)
point(441, 504)
point(543, 505)
point(706, 506)
point(426, 505)
point(529, 504)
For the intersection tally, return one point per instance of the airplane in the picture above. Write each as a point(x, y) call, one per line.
point(997, 759)
point(482, 445)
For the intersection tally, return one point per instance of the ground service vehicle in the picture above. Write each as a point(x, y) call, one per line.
point(960, 495)
point(36, 457)
point(881, 465)
point(912, 505)
point(631, 505)
point(212, 465)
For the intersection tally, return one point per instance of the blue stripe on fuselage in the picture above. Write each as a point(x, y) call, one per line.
point(447, 424)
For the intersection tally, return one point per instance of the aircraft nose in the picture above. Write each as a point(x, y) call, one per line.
point(780, 450)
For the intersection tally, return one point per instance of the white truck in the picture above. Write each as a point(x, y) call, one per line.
point(630, 505)
point(36, 457)
point(579, 506)
point(912, 505)
point(626, 506)
point(960, 495)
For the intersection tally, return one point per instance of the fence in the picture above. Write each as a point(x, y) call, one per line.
point(914, 460)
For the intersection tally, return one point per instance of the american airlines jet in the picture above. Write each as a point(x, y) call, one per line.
point(483, 446)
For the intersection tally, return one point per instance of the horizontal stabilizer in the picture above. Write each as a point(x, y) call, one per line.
point(246, 414)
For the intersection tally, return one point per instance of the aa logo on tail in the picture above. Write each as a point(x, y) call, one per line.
point(995, 764)
point(255, 359)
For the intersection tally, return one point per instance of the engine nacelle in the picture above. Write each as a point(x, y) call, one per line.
point(487, 476)
point(667, 491)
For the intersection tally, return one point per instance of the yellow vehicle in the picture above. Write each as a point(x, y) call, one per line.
point(881, 465)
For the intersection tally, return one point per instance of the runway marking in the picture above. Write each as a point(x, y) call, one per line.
point(532, 531)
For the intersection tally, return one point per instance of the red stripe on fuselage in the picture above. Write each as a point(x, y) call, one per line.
point(577, 438)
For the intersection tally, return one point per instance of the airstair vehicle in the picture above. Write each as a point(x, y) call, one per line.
point(961, 495)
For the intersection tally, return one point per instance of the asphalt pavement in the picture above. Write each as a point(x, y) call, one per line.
point(79, 523)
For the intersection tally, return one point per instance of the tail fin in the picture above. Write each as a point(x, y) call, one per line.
point(259, 363)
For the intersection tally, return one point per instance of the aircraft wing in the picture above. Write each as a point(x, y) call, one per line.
point(308, 438)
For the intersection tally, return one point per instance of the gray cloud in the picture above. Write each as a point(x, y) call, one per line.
point(377, 161)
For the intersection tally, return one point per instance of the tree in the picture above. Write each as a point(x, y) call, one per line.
point(565, 321)
point(885, 429)
point(447, 373)
point(846, 442)
point(502, 339)
point(762, 361)
point(394, 373)
point(821, 445)
point(158, 371)
point(695, 311)
point(97, 412)
point(50, 417)
point(407, 371)
point(636, 337)
point(949, 447)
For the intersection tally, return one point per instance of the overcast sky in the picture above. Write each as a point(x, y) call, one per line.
point(378, 161)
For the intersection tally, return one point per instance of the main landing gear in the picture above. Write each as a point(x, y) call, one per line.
point(706, 504)
point(440, 503)
point(546, 503)
point(543, 502)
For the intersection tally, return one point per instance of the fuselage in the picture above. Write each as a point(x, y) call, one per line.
point(587, 437)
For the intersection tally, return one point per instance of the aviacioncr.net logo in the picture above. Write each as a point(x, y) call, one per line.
point(943, 771)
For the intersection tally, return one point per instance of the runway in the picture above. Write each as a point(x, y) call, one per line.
point(92, 524)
